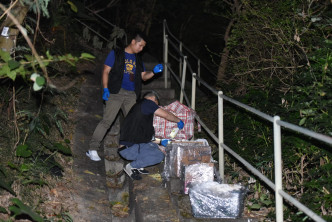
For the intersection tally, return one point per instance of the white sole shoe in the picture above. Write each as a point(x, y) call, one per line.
point(93, 155)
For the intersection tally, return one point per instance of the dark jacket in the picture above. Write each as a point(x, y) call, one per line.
point(137, 127)
point(116, 74)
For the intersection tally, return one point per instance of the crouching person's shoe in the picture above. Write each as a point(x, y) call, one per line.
point(93, 155)
point(132, 172)
point(143, 171)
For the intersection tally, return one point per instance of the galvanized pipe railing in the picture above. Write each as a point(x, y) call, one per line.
point(280, 194)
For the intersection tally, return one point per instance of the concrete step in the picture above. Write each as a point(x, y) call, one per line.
point(156, 82)
point(162, 92)
point(152, 201)
point(155, 201)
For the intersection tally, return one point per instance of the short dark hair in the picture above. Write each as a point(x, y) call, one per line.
point(152, 93)
point(139, 36)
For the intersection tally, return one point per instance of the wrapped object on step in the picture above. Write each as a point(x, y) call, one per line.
point(197, 173)
point(181, 154)
point(214, 200)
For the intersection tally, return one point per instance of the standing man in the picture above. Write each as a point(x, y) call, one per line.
point(137, 133)
point(122, 81)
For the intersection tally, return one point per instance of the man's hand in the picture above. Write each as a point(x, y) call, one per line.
point(180, 124)
point(106, 94)
point(164, 142)
point(158, 68)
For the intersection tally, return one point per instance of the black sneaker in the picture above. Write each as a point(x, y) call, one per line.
point(143, 171)
point(132, 172)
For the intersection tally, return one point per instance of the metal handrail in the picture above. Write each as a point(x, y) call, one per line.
point(96, 32)
point(277, 123)
point(105, 21)
point(187, 49)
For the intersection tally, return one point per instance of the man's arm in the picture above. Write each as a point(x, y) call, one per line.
point(105, 74)
point(166, 115)
point(147, 75)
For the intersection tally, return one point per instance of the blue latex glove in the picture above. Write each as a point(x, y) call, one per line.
point(158, 68)
point(164, 142)
point(106, 94)
point(180, 124)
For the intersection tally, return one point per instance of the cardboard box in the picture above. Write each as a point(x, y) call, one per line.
point(197, 173)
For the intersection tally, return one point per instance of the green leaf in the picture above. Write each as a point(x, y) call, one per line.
point(22, 151)
point(40, 81)
point(21, 209)
point(255, 206)
point(87, 56)
point(49, 56)
point(61, 148)
point(267, 202)
point(58, 124)
point(3, 171)
point(72, 6)
point(28, 57)
point(24, 167)
point(7, 187)
point(302, 121)
point(33, 124)
point(5, 56)
point(3, 210)
point(31, 181)
point(13, 166)
point(13, 64)
point(46, 129)
point(4, 70)
point(12, 74)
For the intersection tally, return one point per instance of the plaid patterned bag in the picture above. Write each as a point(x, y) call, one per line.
point(164, 127)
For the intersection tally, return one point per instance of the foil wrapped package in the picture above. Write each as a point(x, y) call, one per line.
point(198, 172)
point(213, 200)
point(181, 154)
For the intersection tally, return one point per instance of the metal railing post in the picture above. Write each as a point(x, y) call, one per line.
point(165, 59)
point(221, 135)
point(199, 70)
point(193, 91)
point(165, 50)
point(183, 77)
point(278, 168)
point(180, 60)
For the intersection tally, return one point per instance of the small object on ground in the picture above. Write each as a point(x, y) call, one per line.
point(143, 171)
point(89, 172)
point(93, 155)
point(132, 172)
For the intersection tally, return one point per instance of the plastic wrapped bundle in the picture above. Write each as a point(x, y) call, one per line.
point(179, 155)
point(214, 200)
point(197, 173)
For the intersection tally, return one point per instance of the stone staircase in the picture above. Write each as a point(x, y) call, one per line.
point(123, 190)
point(150, 199)
point(157, 83)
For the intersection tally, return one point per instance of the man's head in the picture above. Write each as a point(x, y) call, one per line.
point(152, 95)
point(137, 43)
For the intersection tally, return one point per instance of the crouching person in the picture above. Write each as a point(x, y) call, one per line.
point(137, 132)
